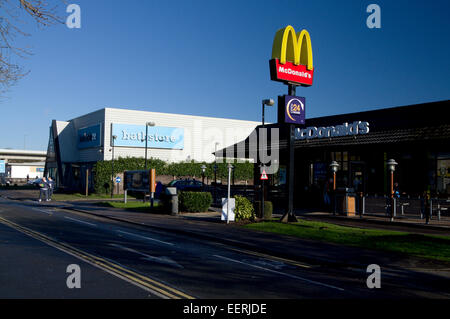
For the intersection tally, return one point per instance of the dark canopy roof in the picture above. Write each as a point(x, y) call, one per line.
point(412, 123)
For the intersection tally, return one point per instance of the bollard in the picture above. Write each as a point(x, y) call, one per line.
point(172, 200)
point(394, 205)
point(363, 206)
point(422, 207)
point(174, 204)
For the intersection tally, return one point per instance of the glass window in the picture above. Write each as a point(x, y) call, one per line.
point(345, 166)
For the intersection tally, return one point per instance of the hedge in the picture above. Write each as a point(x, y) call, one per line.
point(268, 208)
point(194, 201)
point(102, 170)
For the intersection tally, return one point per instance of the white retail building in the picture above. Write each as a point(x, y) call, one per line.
point(77, 144)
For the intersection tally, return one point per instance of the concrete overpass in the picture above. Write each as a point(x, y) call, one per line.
point(22, 156)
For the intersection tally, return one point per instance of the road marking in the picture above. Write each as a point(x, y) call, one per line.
point(162, 260)
point(80, 221)
point(280, 273)
point(111, 267)
point(42, 211)
point(284, 260)
point(143, 237)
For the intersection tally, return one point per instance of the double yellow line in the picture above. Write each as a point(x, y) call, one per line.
point(133, 277)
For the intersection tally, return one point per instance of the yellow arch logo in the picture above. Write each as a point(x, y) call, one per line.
point(293, 47)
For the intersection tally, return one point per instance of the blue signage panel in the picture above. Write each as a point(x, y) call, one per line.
point(118, 179)
point(294, 107)
point(2, 167)
point(158, 136)
point(90, 136)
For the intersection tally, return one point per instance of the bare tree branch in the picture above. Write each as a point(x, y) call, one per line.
point(13, 15)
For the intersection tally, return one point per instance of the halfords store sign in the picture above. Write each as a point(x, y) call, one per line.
point(158, 136)
point(345, 129)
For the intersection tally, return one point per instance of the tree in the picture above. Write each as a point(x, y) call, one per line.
point(13, 14)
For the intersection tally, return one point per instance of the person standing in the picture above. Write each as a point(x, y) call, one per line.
point(396, 191)
point(51, 187)
point(427, 207)
point(43, 189)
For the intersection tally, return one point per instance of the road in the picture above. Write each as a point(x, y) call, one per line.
point(120, 260)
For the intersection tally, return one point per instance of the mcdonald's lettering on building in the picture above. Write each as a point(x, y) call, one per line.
point(292, 59)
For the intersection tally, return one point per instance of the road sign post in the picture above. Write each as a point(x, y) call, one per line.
point(118, 180)
point(263, 197)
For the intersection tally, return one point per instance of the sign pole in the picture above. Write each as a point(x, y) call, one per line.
point(87, 182)
point(229, 191)
point(152, 185)
point(289, 216)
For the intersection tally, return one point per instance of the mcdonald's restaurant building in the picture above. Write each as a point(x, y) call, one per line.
point(417, 137)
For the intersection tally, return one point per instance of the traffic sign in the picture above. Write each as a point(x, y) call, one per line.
point(264, 176)
point(118, 179)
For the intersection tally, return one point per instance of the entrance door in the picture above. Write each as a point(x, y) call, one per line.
point(358, 176)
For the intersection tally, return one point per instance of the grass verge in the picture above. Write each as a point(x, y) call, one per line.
point(78, 196)
point(136, 206)
point(426, 246)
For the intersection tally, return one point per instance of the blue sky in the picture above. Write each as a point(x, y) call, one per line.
point(210, 58)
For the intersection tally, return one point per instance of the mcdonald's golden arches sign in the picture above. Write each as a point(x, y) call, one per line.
point(292, 59)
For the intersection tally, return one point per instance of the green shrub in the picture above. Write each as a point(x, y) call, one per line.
point(194, 201)
point(268, 208)
point(244, 208)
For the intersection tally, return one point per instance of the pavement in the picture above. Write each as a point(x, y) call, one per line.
point(208, 226)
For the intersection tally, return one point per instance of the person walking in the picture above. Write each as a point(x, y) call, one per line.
point(51, 187)
point(396, 191)
point(43, 189)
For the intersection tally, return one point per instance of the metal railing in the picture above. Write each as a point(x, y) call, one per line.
point(403, 207)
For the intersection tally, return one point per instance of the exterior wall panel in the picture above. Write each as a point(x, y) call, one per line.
point(200, 134)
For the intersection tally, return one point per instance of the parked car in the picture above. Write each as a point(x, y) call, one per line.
point(186, 185)
point(35, 182)
point(4, 181)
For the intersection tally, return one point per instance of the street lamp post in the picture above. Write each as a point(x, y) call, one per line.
point(146, 139)
point(391, 164)
point(268, 102)
point(215, 171)
point(215, 183)
point(203, 167)
point(334, 166)
point(113, 138)
point(230, 167)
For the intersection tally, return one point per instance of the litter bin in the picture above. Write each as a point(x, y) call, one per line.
point(346, 201)
point(172, 200)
